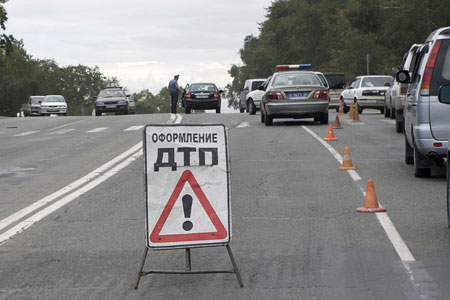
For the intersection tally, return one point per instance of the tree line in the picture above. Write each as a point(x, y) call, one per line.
point(336, 36)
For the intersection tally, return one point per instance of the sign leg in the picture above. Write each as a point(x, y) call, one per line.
point(188, 260)
point(235, 268)
point(140, 274)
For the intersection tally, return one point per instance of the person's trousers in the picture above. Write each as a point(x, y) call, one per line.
point(173, 106)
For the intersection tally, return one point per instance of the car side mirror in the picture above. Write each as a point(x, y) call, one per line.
point(444, 94)
point(261, 88)
point(403, 77)
point(387, 84)
point(220, 91)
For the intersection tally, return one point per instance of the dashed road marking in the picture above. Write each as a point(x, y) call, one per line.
point(100, 129)
point(131, 128)
point(243, 125)
point(27, 133)
point(61, 131)
point(65, 125)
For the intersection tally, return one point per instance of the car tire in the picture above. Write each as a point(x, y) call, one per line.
point(251, 107)
point(399, 126)
point(218, 109)
point(262, 117)
point(323, 119)
point(346, 108)
point(187, 110)
point(241, 109)
point(386, 111)
point(392, 112)
point(382, 110)
point(360, 109)
point(268, 119)
point(409, 153)
point(420, 172)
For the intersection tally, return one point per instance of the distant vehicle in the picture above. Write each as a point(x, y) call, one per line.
point(33, 107)
point(114, 99)
point(427, 105)
point(201, 96)
point(367, 92)
point(249, 86)
point(53, 104)
point(254, 100)
point(337, 83)
point(294, 94)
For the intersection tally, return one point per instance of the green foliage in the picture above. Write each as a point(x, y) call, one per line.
point(336, 36)
point(147, 103)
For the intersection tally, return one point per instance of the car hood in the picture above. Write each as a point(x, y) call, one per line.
point(111, 99)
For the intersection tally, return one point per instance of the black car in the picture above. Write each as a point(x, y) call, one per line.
point(201, 96)
point(114, 99)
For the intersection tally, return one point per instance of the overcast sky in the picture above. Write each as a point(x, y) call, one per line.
point(141, 42)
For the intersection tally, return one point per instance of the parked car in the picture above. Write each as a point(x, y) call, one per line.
point(53, 104)
point(249, 86)
point(397, 93)
point(114, 99)
point(253, 102)
point(201, 96)
point(427, 105)
point(367, 92)
point(294, 94)
point(391, 96)
point(337, 83)
point(33, 106)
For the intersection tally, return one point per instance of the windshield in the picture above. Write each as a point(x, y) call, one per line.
point(54, 99)
point(111, 94)
point(202, 87)
point(295, 79)
point(336, 81)
point(376, 81)
point(35, 100)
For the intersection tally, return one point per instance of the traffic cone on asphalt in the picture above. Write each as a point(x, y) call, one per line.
point(337, 123)
point(347, 162)
point(370, 201)
point(356, 114)
point(350, 113)
point(341, 108)
point(330, 136)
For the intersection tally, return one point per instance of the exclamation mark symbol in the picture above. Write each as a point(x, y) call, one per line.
point(187, 207)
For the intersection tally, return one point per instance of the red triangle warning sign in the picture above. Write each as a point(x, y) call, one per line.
point(220, 233)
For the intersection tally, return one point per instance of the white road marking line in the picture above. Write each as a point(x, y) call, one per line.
point(131, 128)
point(44, 201)
point(65, 125)
point(27, 133)
point(243, 125)
point(61, 131)
point(100, 129)
point(178, 119)
point(392, 233)
point(65, 200)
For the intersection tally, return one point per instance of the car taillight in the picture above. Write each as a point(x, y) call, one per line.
point(275, 95)
point(426, 81)
point(403, 89)
point(322, 94)
point(188, 95)
point(370, 93)
point(216, 95)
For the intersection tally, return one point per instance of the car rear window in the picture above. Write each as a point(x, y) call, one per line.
point(256, 84)
point(376, 81)
point(295, 79)
point(441, 72)
point(201, 87)
point(336, 81)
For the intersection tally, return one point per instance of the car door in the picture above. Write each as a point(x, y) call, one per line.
point(348, 94)
point(244, 93)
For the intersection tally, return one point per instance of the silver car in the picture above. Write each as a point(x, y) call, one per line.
point(294, 94)
point(426, 112)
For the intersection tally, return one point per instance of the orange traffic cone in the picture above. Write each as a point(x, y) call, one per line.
point(347, 162)
point(330, 136)
point(356, 114)
point(350, 113)
point(341, 108)
point(337, 123)
point(370, 201)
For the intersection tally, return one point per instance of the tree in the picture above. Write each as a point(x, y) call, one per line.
point(5, 40)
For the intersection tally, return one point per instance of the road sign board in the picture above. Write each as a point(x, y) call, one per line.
point(187, 185)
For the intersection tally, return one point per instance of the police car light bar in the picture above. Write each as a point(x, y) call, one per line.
point(294, 67)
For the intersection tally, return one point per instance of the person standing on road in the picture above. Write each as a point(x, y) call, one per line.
point(173, 92)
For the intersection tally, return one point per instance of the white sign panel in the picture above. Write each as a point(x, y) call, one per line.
point(187, 185)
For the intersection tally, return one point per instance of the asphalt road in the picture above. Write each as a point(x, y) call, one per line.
point(296, 232)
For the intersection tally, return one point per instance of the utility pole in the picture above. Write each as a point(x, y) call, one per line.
point(368, 56)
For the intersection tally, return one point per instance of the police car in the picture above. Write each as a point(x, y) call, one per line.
point(294, 92)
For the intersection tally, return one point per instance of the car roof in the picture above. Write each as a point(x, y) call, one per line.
point(294, 72)
point(441, 33)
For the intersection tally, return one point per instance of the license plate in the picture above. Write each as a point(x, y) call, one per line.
point(297, 94)
point(202, 96)
point(110, 106)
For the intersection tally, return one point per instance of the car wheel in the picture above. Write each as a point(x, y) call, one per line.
point(409, 158)
point(323, 119)
point(360, 109)
point(268, 119)
point(399, 126)
point(382, 110)
point(187, 110)
point(218, 109)
point(241, 109)
point(262, 116)
point(386, 111)
point(346, 108)
point(420, 172)
point(251, 107)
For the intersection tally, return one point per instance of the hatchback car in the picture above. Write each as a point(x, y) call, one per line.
point(114, 99)
point(427, 105)
point(367, 92)
point(294, 94)
point(201, 96)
